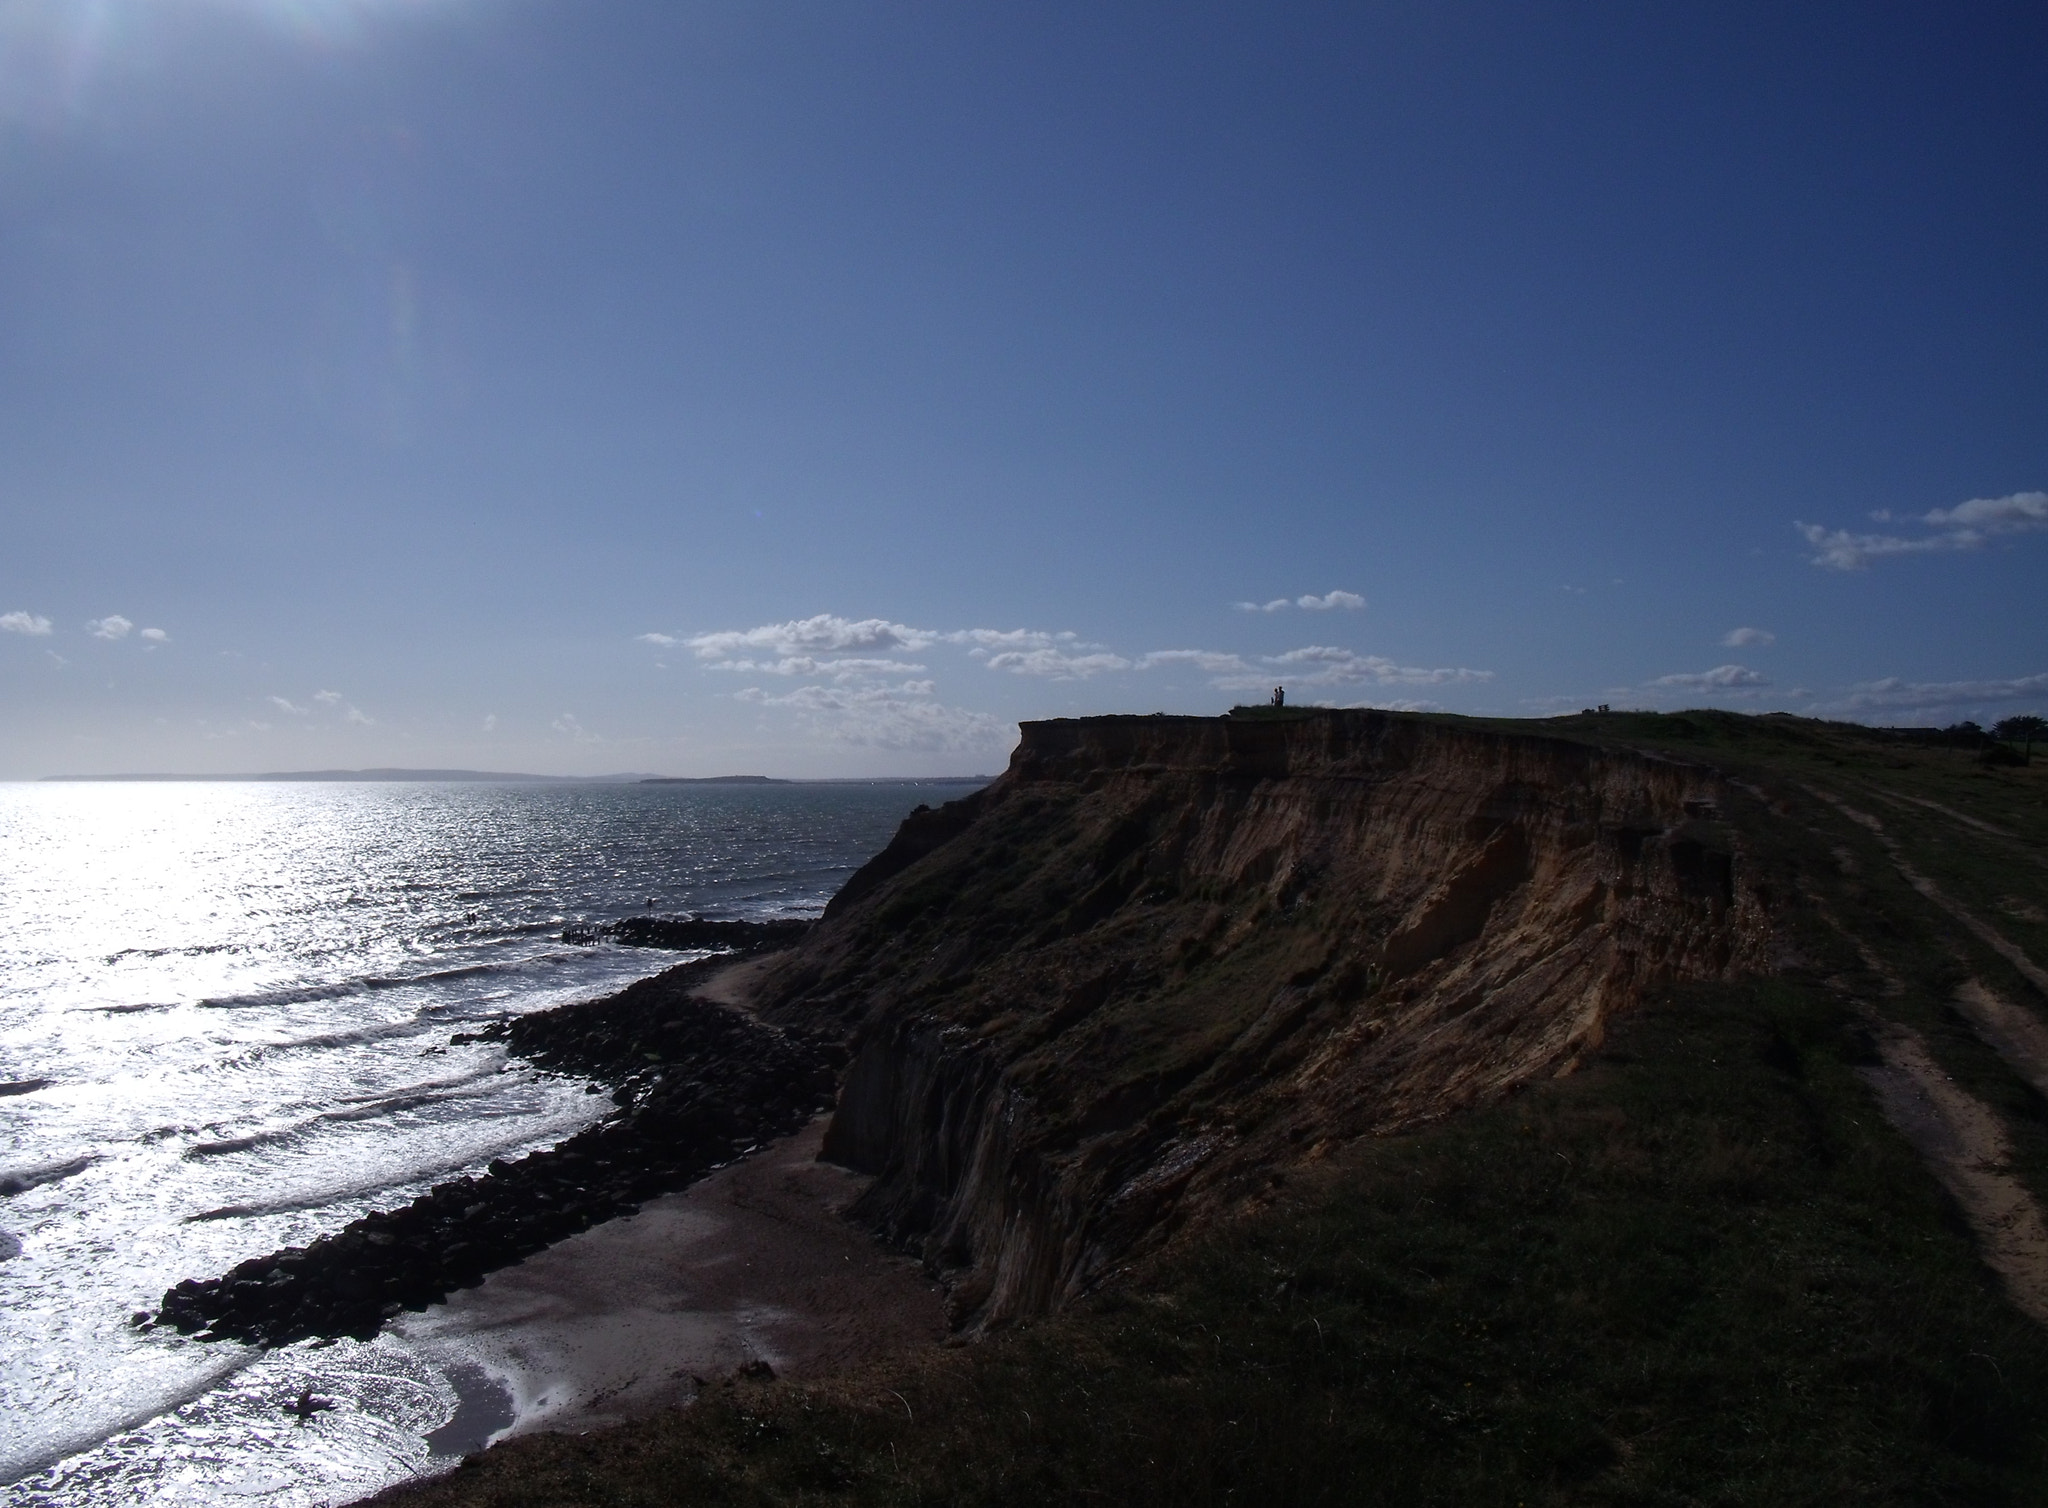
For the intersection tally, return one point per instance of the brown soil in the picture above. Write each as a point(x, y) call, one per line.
point(734, 987)
point(1984, 932)
point(2025, 910)
point(1961, 1139)
point(1954, 815)
point(1163, 960)
point(2015, 1034)
point(1965, 1145)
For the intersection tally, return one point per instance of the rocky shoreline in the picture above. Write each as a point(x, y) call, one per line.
point(697, 1085)
point(684, 933)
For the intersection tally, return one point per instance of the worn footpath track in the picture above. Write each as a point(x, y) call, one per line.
point(1963, 1140)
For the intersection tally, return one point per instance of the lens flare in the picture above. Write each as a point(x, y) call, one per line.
point(57, 57)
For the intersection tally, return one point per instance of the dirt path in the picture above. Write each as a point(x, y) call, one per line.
point(1947, 811)
point(1963, 1142)
point(1959, 1137)
point(2013, 1032)
point(1983, 931)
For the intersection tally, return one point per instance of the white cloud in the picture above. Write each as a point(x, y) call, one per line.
point(1008, 638)
point(490, 722)
point(333, 701)
point(851, 669)
point(900, 717)
point(1963, 527)
point(2012, 514)
point(1909, 699)
point(1207, 661)
point(1056, 664)
point(1745, 638)
point(1720, 678)
point(1337, 664)
point(1377, 704)
point(567, 725)
point(844, 669)
point(155, 636)
point(1312, 665)
point(660, 641)
point(829, 646)
point(111, 627)
point(1350, 601)
point(824, 634)
point(1839, 550)
point(1329, 665)
point(24, 623)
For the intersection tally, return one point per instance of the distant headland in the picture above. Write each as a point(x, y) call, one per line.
point(381, 773)
point(713, 780)
point(509, 777)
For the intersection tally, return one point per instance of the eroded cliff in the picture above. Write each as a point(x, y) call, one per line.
point(1161, 959)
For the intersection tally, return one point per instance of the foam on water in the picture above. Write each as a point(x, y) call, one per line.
point(241, 998)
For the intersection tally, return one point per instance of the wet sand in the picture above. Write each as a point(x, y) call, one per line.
point(755, 1263)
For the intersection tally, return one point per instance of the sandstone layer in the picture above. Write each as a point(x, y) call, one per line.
point(1161, 959)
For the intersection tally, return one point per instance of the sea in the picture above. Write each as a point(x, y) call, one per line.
point(238, 997)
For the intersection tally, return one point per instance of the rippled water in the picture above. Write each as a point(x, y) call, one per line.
point(241, 997)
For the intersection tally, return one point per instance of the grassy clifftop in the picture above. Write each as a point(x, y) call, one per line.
point(1769, 1242)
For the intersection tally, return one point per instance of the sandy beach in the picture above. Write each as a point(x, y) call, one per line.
point(754, 1264)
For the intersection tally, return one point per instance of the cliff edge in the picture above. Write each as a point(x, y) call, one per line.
point(1161, 960)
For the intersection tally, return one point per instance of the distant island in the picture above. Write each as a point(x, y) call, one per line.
point(713, 780)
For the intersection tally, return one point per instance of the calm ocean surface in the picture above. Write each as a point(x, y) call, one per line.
point(241, 996)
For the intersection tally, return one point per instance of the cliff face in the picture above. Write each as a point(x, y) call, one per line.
point(1160, 959)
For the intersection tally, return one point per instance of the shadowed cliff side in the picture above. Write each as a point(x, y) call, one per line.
point(1162, 959)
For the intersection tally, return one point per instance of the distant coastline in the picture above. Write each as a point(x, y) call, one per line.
point(713, 780)
point(382, 773)
point(509, 777)
point(821, 780)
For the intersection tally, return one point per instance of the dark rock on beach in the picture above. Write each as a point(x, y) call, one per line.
point(21, 1180)
point(685, 933)
point(696, 1084)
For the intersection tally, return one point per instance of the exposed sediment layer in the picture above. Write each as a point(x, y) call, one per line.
point(1162, 958)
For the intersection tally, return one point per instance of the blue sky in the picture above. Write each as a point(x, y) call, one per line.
point(822, 389)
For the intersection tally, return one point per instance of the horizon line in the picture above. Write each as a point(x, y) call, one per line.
point(399, 774)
